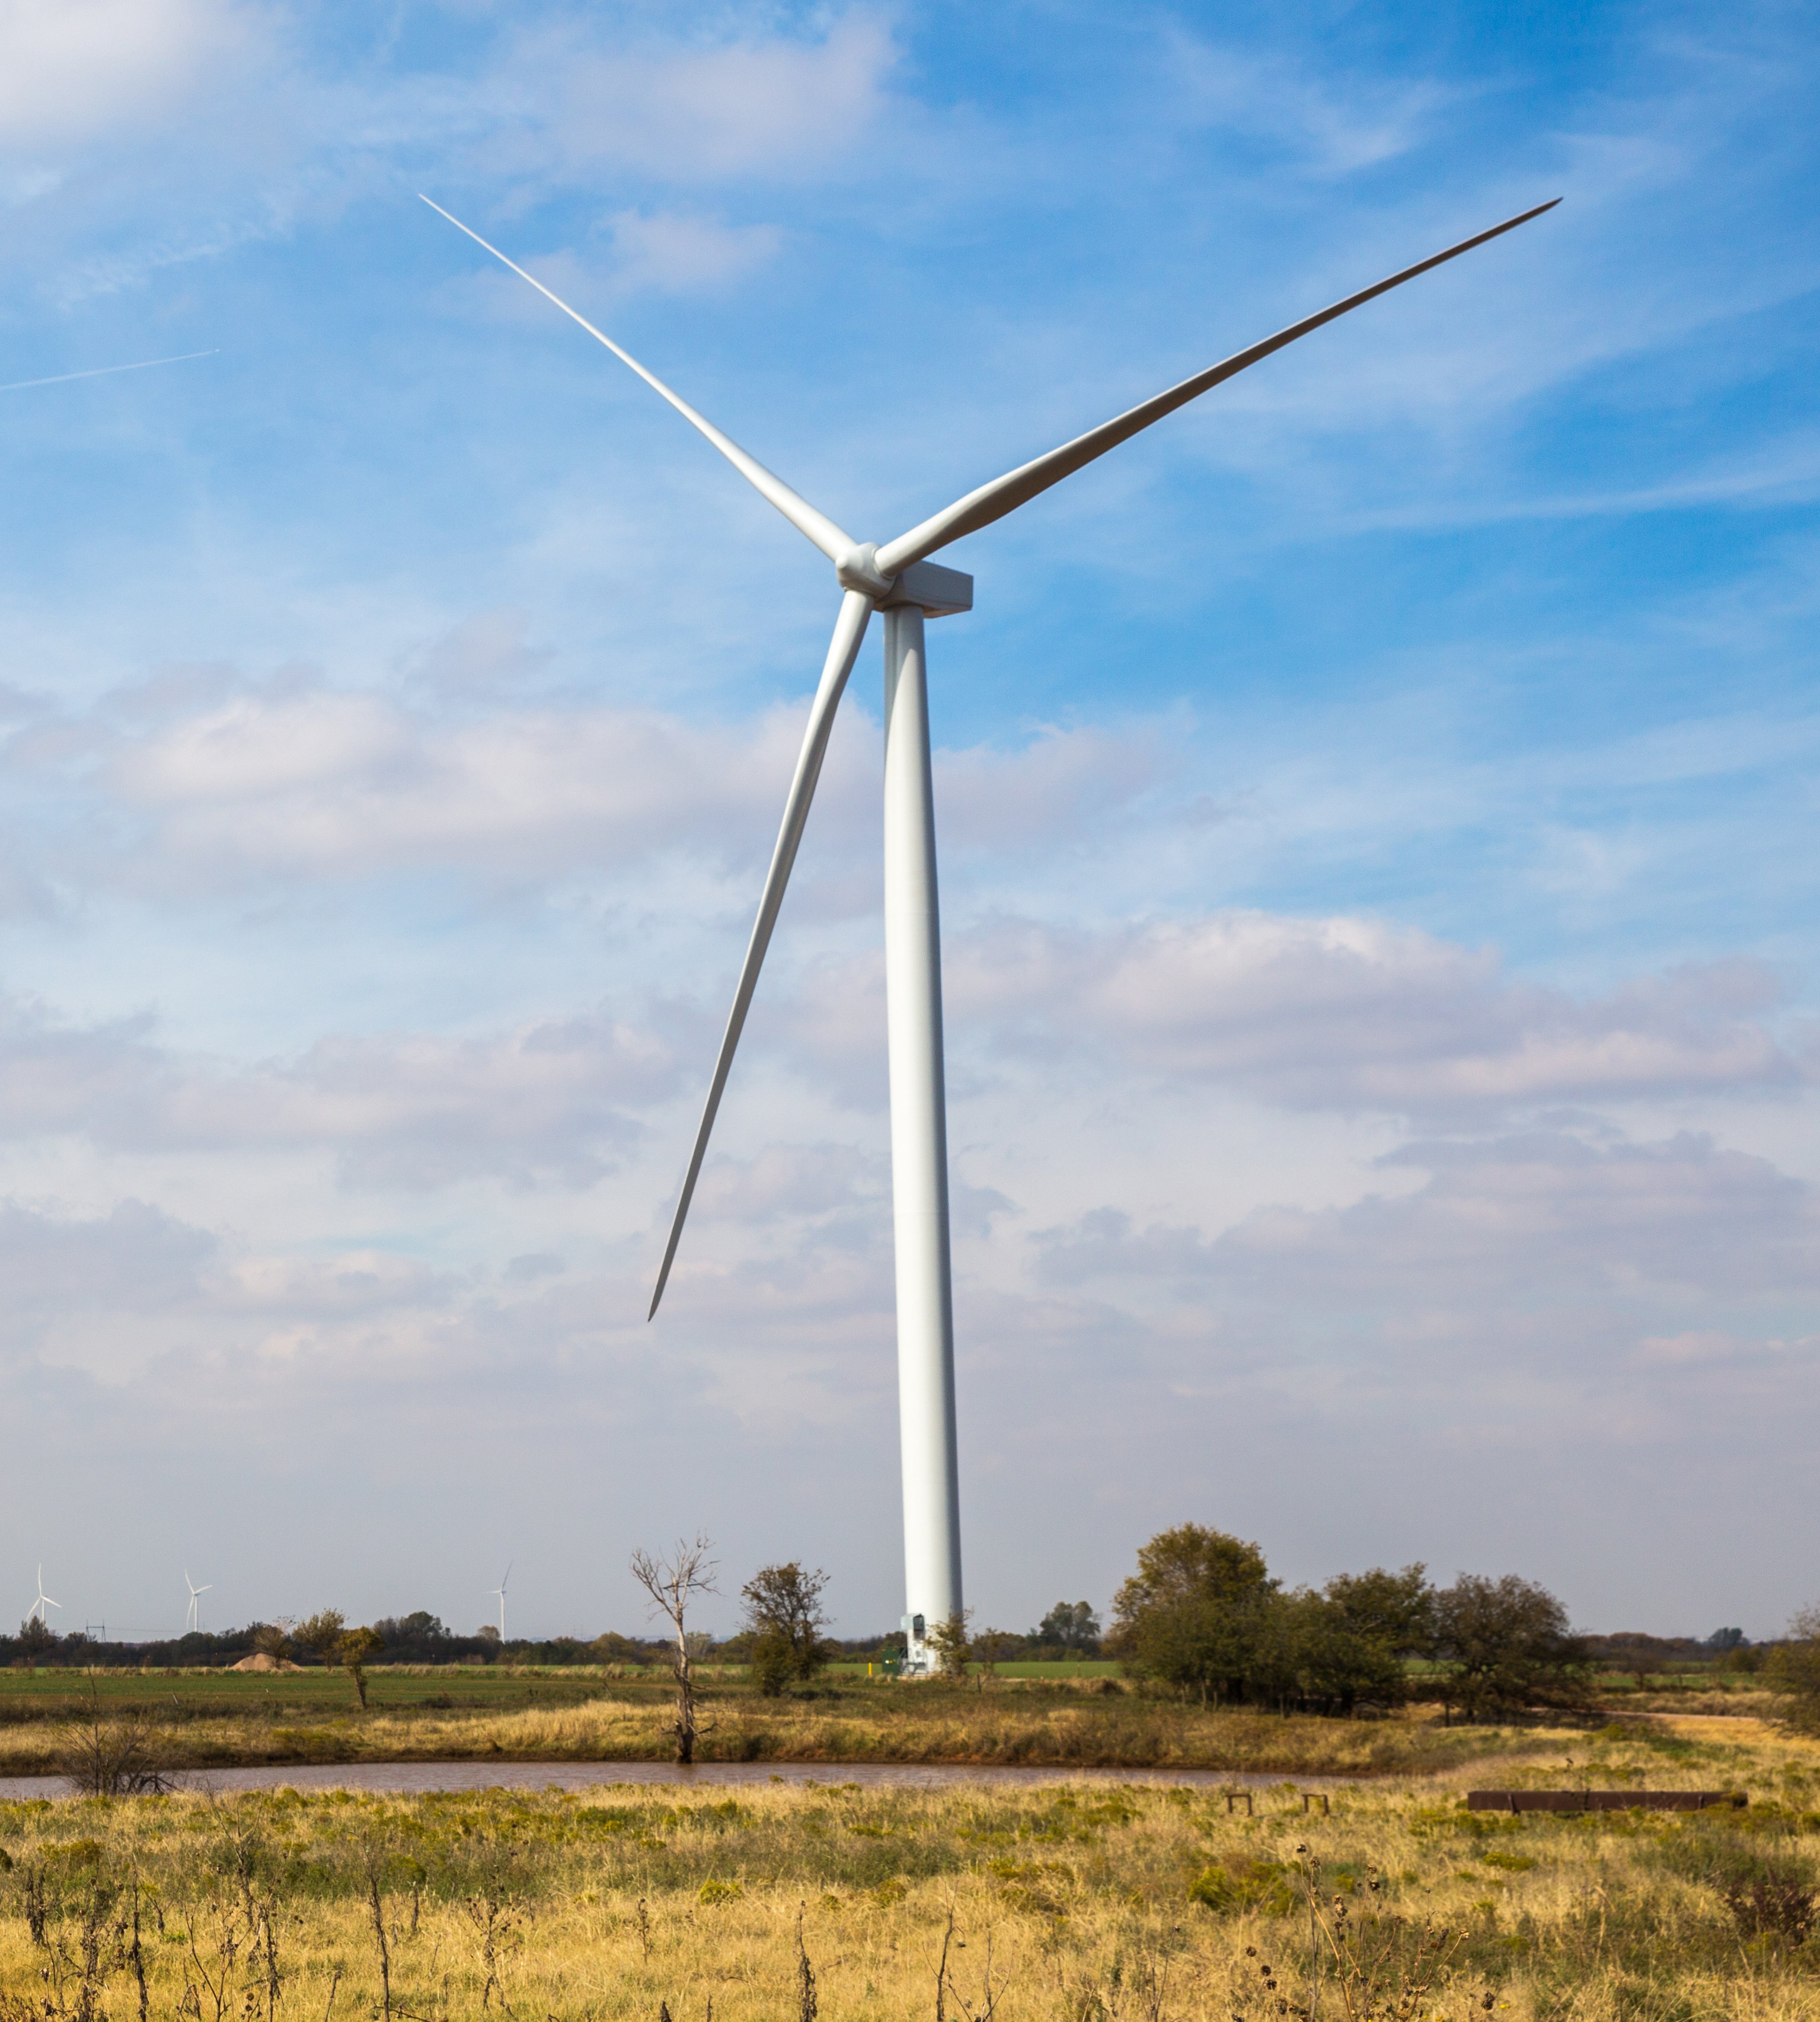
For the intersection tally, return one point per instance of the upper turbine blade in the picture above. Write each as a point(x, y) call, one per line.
point(850, 629)
point(1005, 495)
point(833, 541)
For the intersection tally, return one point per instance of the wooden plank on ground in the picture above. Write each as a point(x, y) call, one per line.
point(1602, 1801)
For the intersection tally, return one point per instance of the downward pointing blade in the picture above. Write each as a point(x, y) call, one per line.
point(850, 629)
point(816, 525)
point(1005, 495)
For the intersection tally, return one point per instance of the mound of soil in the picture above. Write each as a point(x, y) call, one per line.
point(259, 1661)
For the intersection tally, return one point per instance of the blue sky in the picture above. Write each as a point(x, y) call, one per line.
point(1376, 805)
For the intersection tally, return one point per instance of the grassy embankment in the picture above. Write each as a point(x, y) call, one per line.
point(213, 1719)
point(1077, 1903)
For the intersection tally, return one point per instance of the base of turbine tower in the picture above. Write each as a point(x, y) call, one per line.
point(919, 1660)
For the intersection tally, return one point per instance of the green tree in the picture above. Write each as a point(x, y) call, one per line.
point(37, 1639)
point(785, 1618)
point(1208, 1647)
point(354, 1647)
point(1341, 1660)
point(1190, 1564)
point(1396, 1609)
point(1071, 1626)
point(1507, 1645)
point(1193, 1614)
point(319, 1635)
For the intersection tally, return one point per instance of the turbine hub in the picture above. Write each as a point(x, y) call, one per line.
point(858, 569)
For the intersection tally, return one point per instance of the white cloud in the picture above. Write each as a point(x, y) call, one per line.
point(198, 781)
point(677, 253)
point(1333, 125)
point(72, 67)
point(304, 780)
point(1348, 1014)
point(55, 1267)
point(554, 1101)
point(755, 106)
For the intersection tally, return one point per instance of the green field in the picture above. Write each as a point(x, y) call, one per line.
point(50, 1693)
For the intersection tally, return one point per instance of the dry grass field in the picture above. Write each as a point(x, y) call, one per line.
point(208, 1720)
point(1086, 1903)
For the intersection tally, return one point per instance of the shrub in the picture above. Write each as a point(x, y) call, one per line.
point(1794, 1671)
point(785, 1618)
point(110, 1755)
point(1245, 1885)
point(771, 1664)
point(1777, 1904)
point(951, 1642)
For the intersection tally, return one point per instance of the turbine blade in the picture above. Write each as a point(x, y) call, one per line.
point(991, 502)
point(833, 541)
point(850, 629)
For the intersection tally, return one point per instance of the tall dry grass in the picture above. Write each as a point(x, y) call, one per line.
point(918, 1723)
point(1089, 1903)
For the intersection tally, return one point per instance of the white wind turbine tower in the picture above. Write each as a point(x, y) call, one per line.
point(193, 1617)
point(897, 580)
point(499, 1593)
point(42, 1602)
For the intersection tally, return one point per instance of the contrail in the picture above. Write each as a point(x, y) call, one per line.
point(98, 371)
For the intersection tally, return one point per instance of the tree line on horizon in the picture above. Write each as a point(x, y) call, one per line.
point(1070, 1630)
point(1201, 1617)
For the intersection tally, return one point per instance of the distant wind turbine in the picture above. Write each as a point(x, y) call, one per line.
point(498, 1593)
point(899, 581)
point(194, 1619)
point(43, 1600)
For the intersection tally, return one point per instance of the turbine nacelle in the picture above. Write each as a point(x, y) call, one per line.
point(937, 592)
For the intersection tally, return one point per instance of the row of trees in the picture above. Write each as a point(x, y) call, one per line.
point(1204, 1614)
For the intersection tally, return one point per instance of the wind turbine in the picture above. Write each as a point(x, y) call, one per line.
point(42, 1602)
point(897, 580)
point(193, 1619)
point(498, 1593)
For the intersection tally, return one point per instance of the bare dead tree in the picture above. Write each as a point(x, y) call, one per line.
point(111, 1753)
point(672, 1583)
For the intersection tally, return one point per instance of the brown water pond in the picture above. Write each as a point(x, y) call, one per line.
point(413, 1777)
